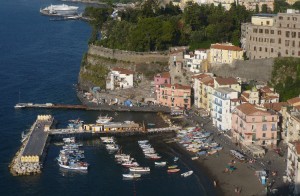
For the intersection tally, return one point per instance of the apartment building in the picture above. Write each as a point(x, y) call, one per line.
point(224, 53)
point(272, 35)
point(293, 165)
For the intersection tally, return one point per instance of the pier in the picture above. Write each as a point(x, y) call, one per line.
point(29, 159)
point(50, 106)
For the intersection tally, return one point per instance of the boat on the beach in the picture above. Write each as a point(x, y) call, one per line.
point(61, 10)
point(173, 170)
point(186, 174)
point(132, 175)
point(160, 163)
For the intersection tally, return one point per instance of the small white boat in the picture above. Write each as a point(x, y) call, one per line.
point(104, 119)
point(139, 169)
point(160, 163)
point(195, 158)
point(176, 159)
point(186, 174)
point(132, 175)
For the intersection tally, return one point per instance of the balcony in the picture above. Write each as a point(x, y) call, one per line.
point(220, 111)
point(220, 96)
point(219, 119)
point(218, 103)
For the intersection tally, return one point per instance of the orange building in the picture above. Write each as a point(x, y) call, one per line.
point(175, 95)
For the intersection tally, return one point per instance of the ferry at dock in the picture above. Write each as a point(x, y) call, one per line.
point(60, 10)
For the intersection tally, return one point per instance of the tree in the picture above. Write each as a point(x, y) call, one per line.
point(264, 8)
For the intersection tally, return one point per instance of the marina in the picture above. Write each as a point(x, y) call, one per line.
point(29, 159)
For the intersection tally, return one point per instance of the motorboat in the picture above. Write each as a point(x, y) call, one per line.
point(186, 174)
point(172, 167)
point(104, 119)
point(195, 158)
point(69, 140)
point(176, 159)
point(139, 169)
point(160, 163)
point(132, 175)
point(130, 164)
point(73, 165)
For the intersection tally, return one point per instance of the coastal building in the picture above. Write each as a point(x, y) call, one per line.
point(161, 78)
point(250, 96)
point(119, 78)
point(290, 123)
point(268, 95)
point(293, 165)
point(192, 61)
point(252, 4)
point(225, 53)
point(197, 86)
point(253, 125)
point(272, 35)
point(174, 96)
point(227, 82)
point(223, 106)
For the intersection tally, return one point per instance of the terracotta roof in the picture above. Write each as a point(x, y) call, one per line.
point(226, 81)
point(297, 107)
point(209, 81)
point(243, 99)
point(122, 70)
point(163, 75)
point(266, 89)
point(200, 76)
point(246, 94)
point(294, 101)
point(226, 47)
point(275, 106)
point(251, 110)
point(177, 86)
point(235, 100)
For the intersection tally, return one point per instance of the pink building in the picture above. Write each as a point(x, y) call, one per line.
point(253, 125)
point(175, 95)
point(161, 78)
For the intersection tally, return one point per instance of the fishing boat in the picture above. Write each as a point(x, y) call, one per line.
point(173, 170)
point(130, 164)
point(195, 158)
point(186, 174)
point(172, 167)
point(132, 175)
point(176, 159)
point(160, 163)
point(104, 119)
point(139, 169)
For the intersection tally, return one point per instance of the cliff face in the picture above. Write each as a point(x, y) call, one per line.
point(98, 61)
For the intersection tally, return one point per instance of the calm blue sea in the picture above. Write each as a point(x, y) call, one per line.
point(40, 61)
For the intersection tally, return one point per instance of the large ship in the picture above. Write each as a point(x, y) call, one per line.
point(63, 10)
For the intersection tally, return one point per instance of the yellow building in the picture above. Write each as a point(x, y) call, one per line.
point(224, 53)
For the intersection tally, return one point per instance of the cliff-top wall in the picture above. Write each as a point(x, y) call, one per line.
point(129, 56)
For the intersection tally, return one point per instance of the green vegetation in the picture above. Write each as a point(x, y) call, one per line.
point(153, 28)
point(95, 74)
point(286, 77)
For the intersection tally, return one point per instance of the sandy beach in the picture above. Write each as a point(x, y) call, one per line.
point(243, 178)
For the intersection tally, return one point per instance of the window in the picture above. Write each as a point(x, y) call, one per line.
point(288, 18)
point(259, 48)
point(254, 30)
point(279, 32)
point(260, 30)
point(272, 50)
point(287, 34)
point(273, 127)
point(266, 49)
point(279, 40)
point(280, 17)
point(268, 22)
point(293, 34)
point(264, 128)
point(293, 43)
point(298, 34)
point(272, 40)
point(253, 119)
point(272, 31)
point(287, 42)
point(286, 52)
point(255, 48)
point(263, 135)
point(266, 31)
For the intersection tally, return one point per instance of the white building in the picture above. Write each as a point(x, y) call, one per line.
point(224, 100)
point(119, 78)
point(293, 165)
point(193, 61)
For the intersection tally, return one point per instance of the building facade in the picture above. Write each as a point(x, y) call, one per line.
point(161, 78)
point(174, 96)
point(271, 35)
point(253, 125)
point(192, 62)
point(222, 107)
point(119, 78)
point(224, 53)
point(293, 165)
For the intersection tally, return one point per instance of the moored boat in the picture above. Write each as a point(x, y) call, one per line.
point(132, 175)
point(139, 169)
point(104, 119)
point(186, 174)
point(173, 170)
point(172, 167)
point(160, 163)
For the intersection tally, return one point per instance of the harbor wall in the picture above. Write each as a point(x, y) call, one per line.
point(129, 56)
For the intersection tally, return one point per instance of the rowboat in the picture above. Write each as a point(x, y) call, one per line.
point(172, 167)
point(186, 174)
point(173, 170)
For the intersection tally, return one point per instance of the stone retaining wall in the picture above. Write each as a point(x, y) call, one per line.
point(129, 56)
